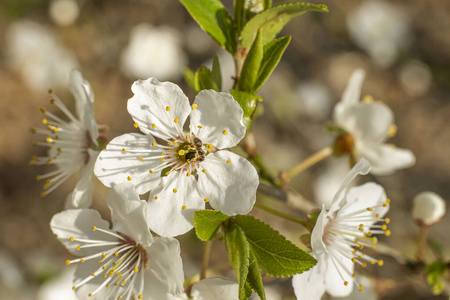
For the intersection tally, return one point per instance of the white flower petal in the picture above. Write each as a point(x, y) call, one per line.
point(317, 243)
point(115, 166)
point(165, 276)
point(129, 213)
point(360, 198)
point(215, 288)
point(162, 104)
point(230, 182)
point(84, 270)
point(166, 216)
point(310, 285)
point(369, 122)
point(386, 159)
point(334, 282)
point(361, 168)
point(78, 223)
point(350, 97)
point(84, 100)
point(220, 118)
point(81, 197)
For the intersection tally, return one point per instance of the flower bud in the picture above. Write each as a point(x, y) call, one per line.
point(428, 208)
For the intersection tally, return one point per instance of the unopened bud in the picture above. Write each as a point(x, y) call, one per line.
point(428, 208)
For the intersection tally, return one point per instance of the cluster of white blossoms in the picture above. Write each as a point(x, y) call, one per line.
point(183, 167)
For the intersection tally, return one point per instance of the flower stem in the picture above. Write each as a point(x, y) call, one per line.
point(205, 259)
point(282, 215)
point(310, 161)
point(422, 242)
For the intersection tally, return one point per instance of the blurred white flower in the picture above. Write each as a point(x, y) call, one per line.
point(64, 12)
point(428, 208)
point(153, 52)
point(72, 145)
point(339, 236)
point(35, 52)
point(58, 288)
point(415, 78)
point(187, 169)
point(381, 29)
point(314, 99)
point(367, 125)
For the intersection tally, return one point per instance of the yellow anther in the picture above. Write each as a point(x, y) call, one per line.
point(72, 238)
point(104, 267)
point(129, 178)
point(32, 130)
point(169, 144)
point(377, 216)
point(78, 248)
point(50, 91)
point(94, 228)
point(167, 173)
point(361, 290)
point(141, 297)
point(90, 295)
point(200, 126)
point(135, 269)
point(373, 262)
point(188, 174)
point(353, 259)
point(393, 130)
point(176, 120)
point(384, 227)
point(100, 261)
point(187, 137)
point(136, 125)
point(373, 246)
point(124, 281)
point(141, 159)
point(104, 276)
point(124, 150)
point(49, 140)
point(354, 275)
point(38, 177)
point(181, 152)
point(42, 110)
point(364, 265)
point(228, 161)
point(120, 297)
point(361, 286)
point(206, 200)
point(167, 108)
point(345, 283)
point(387, 220)
point(380, 262)
point(150, 171)
point(82, 260)
point(210, 147)
point(92, 274)
point(194, 106)
point(375, 240)
point(367, 99)
point(154, 144)
point(204, 171)
point(44, 121)
point(361, 246)
point(384, 205)
point(387, 233)
point(74, 288)
point(225, 132)
point(175, 190)
point(116, 254)
point(370, 209)
point(369, 233)
point(153, 125)
point(162, 159)
point(67, 262)
point(388, 200)
point(183, 207)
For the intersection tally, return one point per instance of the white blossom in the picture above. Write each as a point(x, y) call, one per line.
point(153, 51)
point(185, 170)
point(428, 208)
point(71, 144)
point(124, 262)
point(367, 125)
point(340, 235)
point(63, 12)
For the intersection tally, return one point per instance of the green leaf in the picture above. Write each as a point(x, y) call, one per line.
point(251, 66)
point(272, 55)
point(434, 272)
point(189, 76)
point(272, 20)
point(238, 251)
point(275, 255)
point(239, 15)
point(207, 222)
point(216, 74)
point(213, 18)
point(254, 278)
point(204, 80)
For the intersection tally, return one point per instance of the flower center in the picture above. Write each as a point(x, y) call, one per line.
point(120, 262)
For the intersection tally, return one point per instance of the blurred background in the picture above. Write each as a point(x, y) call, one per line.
point(404, 47)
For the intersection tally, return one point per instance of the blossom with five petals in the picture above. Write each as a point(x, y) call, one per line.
point(367, 125)
point(184, 170)
point(72, 144)
point(339, 236)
